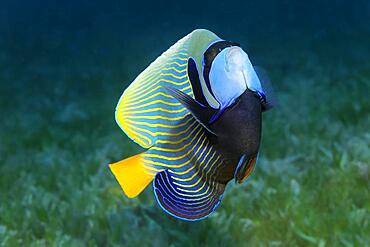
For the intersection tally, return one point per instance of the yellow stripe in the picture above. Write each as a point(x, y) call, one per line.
point(178, 141)
point(209, 186)
point(195, 173)
point(205, 167)
point(131, 99)
point(174, 76)
point(151, 72)
point(155, 110)
point(182, 58)
point(176, 57)
point(151, 103)
point(178, 157)
point(178, 149)
point(163, 133)
point(167, 58)
point(154, 71)
point(179, 64)
point(204, 182)
point(189, 186)
point(159, 117)
point(212, 181)
point(146, 99)
point(140, 82)
point(188, 170)
point(128, 98)
point(207, 195)
point(174, 166)
point(133, 94)
point(144, 87)
point(174, 83)
point(160, 125)
point(183, 53)
point(137, 136)
point(175, 69)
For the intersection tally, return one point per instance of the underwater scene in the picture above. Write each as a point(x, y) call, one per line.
point(122, 122)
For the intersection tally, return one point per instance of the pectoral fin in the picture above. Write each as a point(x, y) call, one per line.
point(200, 112)
point(245, 168)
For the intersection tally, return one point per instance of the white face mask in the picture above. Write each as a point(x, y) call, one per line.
point(231, 74)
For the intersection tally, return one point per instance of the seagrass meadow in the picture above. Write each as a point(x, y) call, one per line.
point(63, 67)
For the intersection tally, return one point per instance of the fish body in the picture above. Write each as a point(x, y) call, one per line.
point(197, 139)
point(235, 138)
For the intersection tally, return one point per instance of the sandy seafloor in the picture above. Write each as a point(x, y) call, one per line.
point(63, 67)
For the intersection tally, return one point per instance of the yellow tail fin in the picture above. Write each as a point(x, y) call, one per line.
point(131, 175)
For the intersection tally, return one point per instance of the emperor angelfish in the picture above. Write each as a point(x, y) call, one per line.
point(197, 110)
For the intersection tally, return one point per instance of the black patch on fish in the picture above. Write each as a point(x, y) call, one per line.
point(193, 75)
point(238, 131)
point(210, 55)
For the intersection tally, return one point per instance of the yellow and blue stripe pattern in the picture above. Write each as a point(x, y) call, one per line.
point(180, 155)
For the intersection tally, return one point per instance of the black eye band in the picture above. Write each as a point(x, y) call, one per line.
point(210, 55)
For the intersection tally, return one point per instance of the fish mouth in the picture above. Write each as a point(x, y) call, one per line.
point(245, 168)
